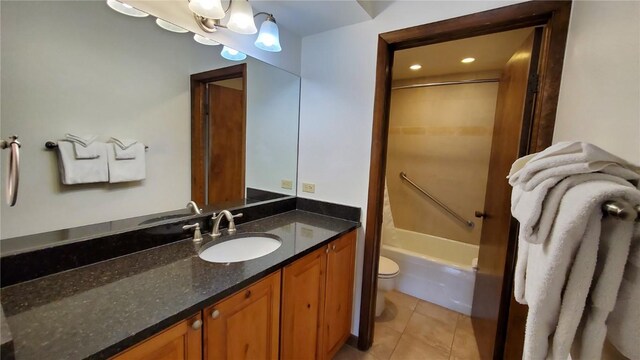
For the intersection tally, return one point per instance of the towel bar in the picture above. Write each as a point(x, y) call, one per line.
point(50, 145)
point(622, 210)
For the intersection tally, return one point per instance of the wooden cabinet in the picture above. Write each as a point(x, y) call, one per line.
point(303, 294)
point(245, 325)
point(317, 296)
point(317, 301)
point(181, 341)
point(339, 293)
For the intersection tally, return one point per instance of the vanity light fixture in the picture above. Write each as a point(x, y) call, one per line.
point(468, 60)
point(204, 41)
point(170, 26)
point(269, 35)
point(126, 9)
point(241, 21)
point(232, 54)
point(415, 67)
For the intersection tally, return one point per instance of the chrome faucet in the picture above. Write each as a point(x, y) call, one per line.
point(218, 217)
point(197, 235)
point(194, 207)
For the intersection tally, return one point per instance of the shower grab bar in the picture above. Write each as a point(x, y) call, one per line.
point(445, 83)
point(468, 223)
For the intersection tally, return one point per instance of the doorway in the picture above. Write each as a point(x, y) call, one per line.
point(523, 123)
point(218, 135)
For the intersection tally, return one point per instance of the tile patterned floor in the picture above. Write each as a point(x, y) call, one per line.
point(410, 328)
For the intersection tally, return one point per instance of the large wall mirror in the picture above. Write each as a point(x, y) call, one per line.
point(79, 67)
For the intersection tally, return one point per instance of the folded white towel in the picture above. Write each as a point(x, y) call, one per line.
point(624, 322)
point(124, 148)
point(82, 171)
point(127, 170)
point(564, 158)
point(554, 277)
point(83, 146)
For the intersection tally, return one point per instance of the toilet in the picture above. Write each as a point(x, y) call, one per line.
point(387, 271)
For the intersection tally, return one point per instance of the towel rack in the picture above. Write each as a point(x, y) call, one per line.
point(13, 176)
point(50, 145)
point(622, 210)
point(468, 223)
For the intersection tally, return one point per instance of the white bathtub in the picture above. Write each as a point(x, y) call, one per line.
point(432, 268)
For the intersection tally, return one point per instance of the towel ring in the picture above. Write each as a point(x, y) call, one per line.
point(13, 176)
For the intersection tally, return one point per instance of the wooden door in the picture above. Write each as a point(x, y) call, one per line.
point(182, 341)
point(245, 325)
point(303, 294)
point(339, 293)
point(516, 94)
point(226, 144)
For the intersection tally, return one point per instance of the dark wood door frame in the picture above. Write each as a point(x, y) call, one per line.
point(553, 15)
point(198, 125)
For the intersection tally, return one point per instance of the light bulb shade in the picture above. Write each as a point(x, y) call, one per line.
point(232, 54)
point(211, 9)
point(126, 9)
point(269, 37)
point(241, 19)
point(170, 27)
point(204, 41)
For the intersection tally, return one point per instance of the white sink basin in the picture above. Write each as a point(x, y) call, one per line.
point(241, 247)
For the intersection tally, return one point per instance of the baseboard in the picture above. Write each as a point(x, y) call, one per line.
point(352, 340)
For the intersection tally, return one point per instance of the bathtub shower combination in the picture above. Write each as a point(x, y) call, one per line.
point(434, 269)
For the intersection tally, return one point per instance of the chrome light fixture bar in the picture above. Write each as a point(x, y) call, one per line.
point(170, 26)
point(241, 21)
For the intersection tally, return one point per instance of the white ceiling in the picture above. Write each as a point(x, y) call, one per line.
point(490, 51)
point(308, 17)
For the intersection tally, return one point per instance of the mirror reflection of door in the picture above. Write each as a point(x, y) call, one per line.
point(226, 140)
point(218, 135)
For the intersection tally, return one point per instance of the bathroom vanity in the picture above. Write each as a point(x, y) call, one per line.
point(166, 302)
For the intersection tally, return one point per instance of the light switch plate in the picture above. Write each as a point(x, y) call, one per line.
point(308, 187)
point(286, 184)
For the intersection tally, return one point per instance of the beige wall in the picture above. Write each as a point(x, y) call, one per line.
point(441, 137)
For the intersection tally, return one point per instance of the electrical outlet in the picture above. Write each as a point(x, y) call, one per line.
point(309, 187)
point(286, 184)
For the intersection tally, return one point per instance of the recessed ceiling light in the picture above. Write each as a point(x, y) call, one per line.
point(415, 67)
point(204, 41)
point(468, 60)
point(170, 26)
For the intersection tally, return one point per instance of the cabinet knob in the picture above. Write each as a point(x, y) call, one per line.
point(215, 314)
point(247, 294)
point(196, 324)
point(327, 250)
point(333, 247)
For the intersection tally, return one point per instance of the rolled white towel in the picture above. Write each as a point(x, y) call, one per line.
point(84, 146)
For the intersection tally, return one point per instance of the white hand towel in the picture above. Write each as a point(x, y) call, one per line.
point(83, 146)
point(82, 171)
point(624, 322)
point(124, 148)
point(127, 170)
point(558, 272)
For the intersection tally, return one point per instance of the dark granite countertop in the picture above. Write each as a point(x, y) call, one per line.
point(98, 310)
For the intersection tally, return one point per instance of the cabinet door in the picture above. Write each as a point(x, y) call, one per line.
point(181, 341)
point(339, 293)
point(246, 324)
point(303, 285)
